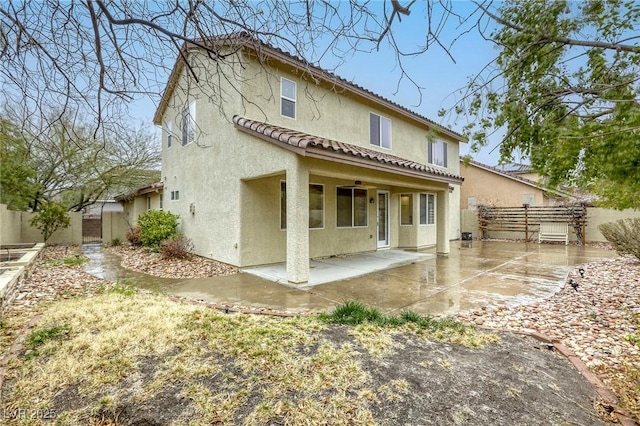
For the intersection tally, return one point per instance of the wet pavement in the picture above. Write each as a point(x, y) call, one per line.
point(475, 274)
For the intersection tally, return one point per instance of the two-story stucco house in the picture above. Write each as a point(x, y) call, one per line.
point(269, 159)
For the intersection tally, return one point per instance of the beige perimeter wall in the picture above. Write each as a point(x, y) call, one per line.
point(114, 225)
point(15, 228)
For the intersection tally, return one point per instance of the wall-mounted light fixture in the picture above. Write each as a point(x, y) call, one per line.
point(358, 182)
point(192, 208)
point(371, 200)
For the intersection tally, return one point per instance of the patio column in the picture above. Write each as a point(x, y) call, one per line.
point(442, 227)
point(297, 222)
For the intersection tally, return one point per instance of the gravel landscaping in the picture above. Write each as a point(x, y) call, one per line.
point(148, 262)
point(599, 321)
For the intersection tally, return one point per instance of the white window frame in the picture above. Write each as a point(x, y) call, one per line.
point(430, 198)
point(381, 119)
point(433, 149)
point(287, 98)
point(353, 209)
point(188, 124)
point(411, 209)
point(169, 134)
point(283, 184)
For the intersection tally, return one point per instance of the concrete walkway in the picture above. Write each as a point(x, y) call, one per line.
point(477, 274)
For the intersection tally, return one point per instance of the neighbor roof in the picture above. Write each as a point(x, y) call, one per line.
point(154, 187)
point(331, 150)
point(246, 40)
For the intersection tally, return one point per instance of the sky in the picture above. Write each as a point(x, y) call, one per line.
point(434, 70)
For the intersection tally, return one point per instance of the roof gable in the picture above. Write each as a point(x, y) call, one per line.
point(265, 51)
point(515, 177)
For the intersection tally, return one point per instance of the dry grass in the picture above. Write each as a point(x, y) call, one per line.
point(120, 350)
point(96, 359)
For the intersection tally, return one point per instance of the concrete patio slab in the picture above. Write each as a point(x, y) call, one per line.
point(480, 274)
point(337, 268)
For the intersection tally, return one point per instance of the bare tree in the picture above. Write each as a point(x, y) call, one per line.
point(96, 55)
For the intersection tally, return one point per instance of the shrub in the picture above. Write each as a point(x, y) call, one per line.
point(156, 226)
point(50, 218)
point(116, 242)
point(624, 235)
point(133, 236)
point(177, 247)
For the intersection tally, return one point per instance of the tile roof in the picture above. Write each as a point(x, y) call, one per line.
point(315, 146)
point(154, 187)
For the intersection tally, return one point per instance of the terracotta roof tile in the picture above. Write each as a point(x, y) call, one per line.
point(306, 142)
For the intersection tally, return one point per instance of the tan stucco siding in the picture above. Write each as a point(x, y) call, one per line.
point(341, 116)
point(495, 190)
point(264, 242)
point(228, 180)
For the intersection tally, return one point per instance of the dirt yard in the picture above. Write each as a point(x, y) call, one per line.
point(104, 355)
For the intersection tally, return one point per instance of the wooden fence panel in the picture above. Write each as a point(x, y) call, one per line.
point(528, 219)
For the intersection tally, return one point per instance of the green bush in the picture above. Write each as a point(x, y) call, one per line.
point(116, 242)
point(624, 235)
point(156, 226)
point(50, 218)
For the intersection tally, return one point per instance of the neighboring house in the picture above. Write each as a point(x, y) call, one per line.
point(282, 161)
point(103, 206)
point(487, 185)
point(137, 202)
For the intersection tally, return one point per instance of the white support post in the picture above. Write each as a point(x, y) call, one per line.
point(442, 228)
point(298, 222)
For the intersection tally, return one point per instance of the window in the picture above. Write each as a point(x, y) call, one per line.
point(148, 203)
point(379, 131)
point(351, 207)
point(316, 206)
point(189, 124)
point(175, 195)
point(161, 200)
point(287, 98)
point(406, 209)
point(437, 153)
point(427, 209)
point(169, 134)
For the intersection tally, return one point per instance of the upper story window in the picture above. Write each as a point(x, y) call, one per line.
point(437, 153)
point(380, 131)
point(287, 98)
point(189, 124)
point(169, 134)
